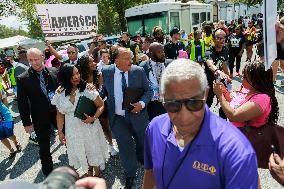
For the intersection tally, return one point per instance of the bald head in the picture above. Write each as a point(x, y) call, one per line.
point(36, 59)
point(154, 46)
point(34, 51)
point(219, 38)
point(157, 53)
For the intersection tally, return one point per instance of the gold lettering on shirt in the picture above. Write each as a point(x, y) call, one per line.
point(204, 167)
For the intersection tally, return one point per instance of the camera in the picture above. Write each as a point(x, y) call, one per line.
point(61, 178)
point(227, 84)
point(222, 80)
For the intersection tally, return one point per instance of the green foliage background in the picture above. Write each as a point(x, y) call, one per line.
point(111, 12)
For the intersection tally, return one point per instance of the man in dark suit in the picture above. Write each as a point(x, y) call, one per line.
point(36, 87)
point(127, 124)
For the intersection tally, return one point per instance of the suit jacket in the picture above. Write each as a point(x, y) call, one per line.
point(32, 102)
point(136, 79)
point(146, 66)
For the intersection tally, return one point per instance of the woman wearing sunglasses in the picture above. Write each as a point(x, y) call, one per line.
point(190, 146)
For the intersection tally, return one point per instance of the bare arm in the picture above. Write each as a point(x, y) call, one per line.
point(242, 49)
point(211, 65)
point(53, 51)
point(214, 69)
point(101, 81)
point(60, 123)
point(245, 112)
point(149, 180)
point(225, 68)
point(100, 106)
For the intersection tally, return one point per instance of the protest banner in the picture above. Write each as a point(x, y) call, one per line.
point(60, 22)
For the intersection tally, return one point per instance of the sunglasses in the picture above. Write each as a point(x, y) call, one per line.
point(193, 105)
point(71, 52)
point(220, 38)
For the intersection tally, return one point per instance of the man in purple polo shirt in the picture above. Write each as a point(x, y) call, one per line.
point(191, 147)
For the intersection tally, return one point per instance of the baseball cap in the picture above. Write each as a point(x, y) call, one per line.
point(175, 30)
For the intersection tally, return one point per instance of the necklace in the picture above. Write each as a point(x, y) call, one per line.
point(180, 142)
point(73, 93)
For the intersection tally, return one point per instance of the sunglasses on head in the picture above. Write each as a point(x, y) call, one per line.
point(71, 52)
point(193, 105)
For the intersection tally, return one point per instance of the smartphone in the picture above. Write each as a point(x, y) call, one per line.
point(218, 78)
point(273, 149)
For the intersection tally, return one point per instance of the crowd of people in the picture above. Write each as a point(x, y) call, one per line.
point(169, 128)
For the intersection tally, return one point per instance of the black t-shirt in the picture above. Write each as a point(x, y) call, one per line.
point(171, 49)
point(235, 43)
point(218, 57)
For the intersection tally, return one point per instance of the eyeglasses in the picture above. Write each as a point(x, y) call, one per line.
point(220, 38)
point(71, 52)
point(193, 105)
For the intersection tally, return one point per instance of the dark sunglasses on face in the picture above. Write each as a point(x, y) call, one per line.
point(220, 38)
point(193, 105)
point(71, 52)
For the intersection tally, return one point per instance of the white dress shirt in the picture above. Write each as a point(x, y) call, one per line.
point(118, 94)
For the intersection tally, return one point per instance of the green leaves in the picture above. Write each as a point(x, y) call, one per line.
point(9, 32)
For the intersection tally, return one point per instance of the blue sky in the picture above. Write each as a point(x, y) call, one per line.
point(13, 22)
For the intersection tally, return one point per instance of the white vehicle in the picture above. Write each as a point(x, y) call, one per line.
point(141, 19)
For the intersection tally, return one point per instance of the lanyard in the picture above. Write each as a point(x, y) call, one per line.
point(180, 162)
point(154, 75)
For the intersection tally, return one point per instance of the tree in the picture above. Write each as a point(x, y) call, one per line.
point(7, 8)
point(280, 3)
point(10, 32)
point(111, 13)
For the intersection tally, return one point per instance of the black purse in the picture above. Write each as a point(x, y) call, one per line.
point(262, 139)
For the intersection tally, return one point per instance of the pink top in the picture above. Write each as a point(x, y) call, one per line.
point(263, 100)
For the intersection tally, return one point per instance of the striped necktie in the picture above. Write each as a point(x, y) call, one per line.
point(123, 82)
point(42, 83)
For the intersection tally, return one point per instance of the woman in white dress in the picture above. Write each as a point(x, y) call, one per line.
point(86, 144)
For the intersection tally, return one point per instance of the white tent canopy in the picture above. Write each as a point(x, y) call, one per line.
point(16, 41)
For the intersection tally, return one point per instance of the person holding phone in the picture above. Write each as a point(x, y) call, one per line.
point(259, 106)
point(276, 168)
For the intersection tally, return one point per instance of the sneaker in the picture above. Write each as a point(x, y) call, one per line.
point(237, 74)
point(19, 148)
point(33, 140)
point(12, 155)
point(112, 150)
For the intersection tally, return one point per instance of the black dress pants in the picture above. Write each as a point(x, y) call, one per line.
point(232, 57)
point(155, 108)
point(43, 132)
